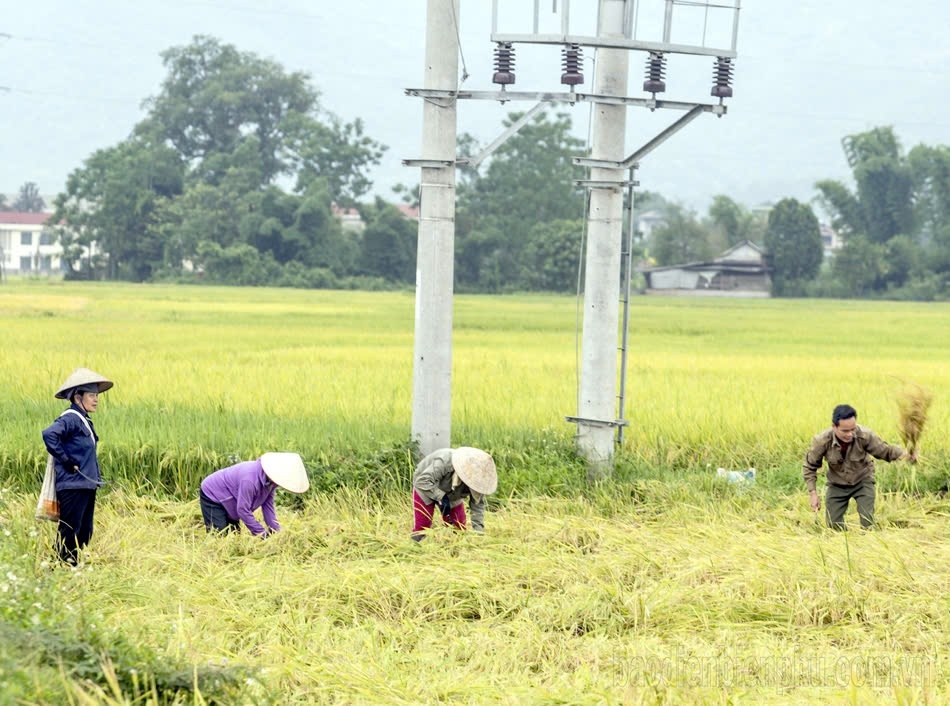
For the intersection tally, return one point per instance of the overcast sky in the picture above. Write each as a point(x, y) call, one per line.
point(808, 73)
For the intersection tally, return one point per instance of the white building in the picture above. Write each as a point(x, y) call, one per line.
point(28, 245)
point(350, 218)
point(830, 240)
point(645, 223)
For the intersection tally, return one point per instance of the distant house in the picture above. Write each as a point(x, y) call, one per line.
point(27, 244)
point(410, 212)
point(350, 218)
point(741, 271)
point(644, 223)
point(830, 240)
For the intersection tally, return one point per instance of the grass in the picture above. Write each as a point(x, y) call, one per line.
point(204, 373)
point(661, 586)
point(675, 593)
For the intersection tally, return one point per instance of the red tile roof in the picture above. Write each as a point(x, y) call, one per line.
point(340, 211)
point(408, 211)
point(23, 218)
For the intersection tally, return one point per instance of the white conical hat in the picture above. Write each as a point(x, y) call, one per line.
point(286, 470)
point(476, 469)
point(82, 376)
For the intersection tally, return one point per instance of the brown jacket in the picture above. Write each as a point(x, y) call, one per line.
point(858, 466)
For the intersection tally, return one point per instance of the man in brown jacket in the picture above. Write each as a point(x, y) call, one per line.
point(848, 449)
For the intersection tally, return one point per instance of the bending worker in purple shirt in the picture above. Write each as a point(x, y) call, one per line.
point(235, 492)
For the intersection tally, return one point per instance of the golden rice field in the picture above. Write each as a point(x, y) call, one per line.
point(206, 371)
point(663, 586)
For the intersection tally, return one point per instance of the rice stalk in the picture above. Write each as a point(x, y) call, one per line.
point(913, 401)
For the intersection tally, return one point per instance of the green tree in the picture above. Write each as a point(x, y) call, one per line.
point(112, 201)
point(29, 199)
point(239, 264)
point(218, 211)
point(332, 248)
point(388, 247)
point(883, 204)
point(203, 214)
point(682, 239)
point(861, 265)
point(793, 242)
point(529, 180)
point(552, 256)
point(216, 98)
point(901, 203)
point(284, 227)
point(407, 194)
point(483, 260)
point(466, 147)
point(734, 222)
point(207, 165)
point(651, 201)
point(903, 260)
point(336, 153)
point(931, 169)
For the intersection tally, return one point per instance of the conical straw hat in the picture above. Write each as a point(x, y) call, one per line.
point(286, 470)
point(82, 376)
point(476, 469)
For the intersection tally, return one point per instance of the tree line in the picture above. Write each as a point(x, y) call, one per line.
point(234, 173)
point(231, 177)
point(28, 200)
point(893, 224)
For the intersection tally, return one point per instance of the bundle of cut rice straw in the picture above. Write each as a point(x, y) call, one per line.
point(913, 402)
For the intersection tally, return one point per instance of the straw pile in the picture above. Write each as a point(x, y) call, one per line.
point(913, 402)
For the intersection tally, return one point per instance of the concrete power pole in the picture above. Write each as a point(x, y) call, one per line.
point(432, 362)
point(597, 404)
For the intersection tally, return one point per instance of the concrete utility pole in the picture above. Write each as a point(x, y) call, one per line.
point(432, 362)
point(598, 384)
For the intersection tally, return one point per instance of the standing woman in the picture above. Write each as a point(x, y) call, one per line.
point(71, 440)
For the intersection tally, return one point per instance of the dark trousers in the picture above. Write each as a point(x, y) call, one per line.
point(76, 511)
point(837, 498)
point(215, 516)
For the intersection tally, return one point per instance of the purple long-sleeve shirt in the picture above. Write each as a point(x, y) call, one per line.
point(241, 489)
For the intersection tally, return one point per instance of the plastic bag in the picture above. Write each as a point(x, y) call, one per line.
point(741, 477)
point(47, 507)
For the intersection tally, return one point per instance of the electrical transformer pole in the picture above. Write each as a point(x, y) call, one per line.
point(600, 409)
point(432, 361)
point(597, 403)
